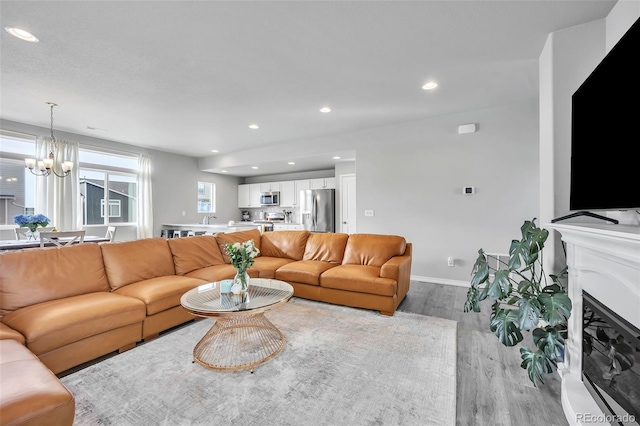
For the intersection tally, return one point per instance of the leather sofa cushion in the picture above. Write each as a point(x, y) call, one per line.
point(326, 247)
point(372, 249)
point(30, 393)
point(132, 261)
point(237, 237)
point(359, 278)
point(161, 293)
point(284, 244)
point(303, 271)
point(30, 277)
point(266, 266)
point(194, 253)
point(213, 273)
point(7, 332)
point(51, 325)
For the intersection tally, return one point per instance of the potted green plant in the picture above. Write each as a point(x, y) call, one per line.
point(524, 300)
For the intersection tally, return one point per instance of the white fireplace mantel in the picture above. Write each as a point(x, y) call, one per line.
point(603, 260)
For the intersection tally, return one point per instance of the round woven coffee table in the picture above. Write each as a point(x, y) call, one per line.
point(242, 336)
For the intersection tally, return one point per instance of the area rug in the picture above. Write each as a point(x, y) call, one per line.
point(340, 366)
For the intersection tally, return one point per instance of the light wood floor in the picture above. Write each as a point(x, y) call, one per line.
point(492, 389)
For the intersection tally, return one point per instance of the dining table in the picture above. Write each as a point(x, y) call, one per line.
point(30, 244)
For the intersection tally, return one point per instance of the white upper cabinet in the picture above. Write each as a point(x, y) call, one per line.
point(302, 184)
point(323, 183)
point(243, 196)
point(270, 187)
point(249, 195)
point(255, 195)
point(299, 185)
point(288, 194)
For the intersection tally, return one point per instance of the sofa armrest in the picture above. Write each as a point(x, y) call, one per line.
point(399, 269)
point(395, 267)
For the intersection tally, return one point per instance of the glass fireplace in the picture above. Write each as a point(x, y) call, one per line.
point(611, 362)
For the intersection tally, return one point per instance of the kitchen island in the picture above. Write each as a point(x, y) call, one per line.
point(212, 228)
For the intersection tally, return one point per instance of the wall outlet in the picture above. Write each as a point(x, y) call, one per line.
point(184, 213)
point(369, 213)
point(450, 261)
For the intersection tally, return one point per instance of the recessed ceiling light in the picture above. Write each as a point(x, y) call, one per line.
point(254, 126)
point(22, 34)
point(325, 110)
point(254, 167)
point(291, 163)
point(336, 158)
point(224, 171)
point(430, 85)
point(214, 150)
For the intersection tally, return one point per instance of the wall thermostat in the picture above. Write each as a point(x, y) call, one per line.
point(469, 190)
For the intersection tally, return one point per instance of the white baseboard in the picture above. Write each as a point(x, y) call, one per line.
point(444, 281)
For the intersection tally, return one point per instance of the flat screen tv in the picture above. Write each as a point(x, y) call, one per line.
point(605, 131)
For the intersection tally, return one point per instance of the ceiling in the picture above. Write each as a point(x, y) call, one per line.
point(189, 77)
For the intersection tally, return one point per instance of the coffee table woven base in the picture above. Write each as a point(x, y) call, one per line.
point(239, 343)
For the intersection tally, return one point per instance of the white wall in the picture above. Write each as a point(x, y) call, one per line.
point(569, 56)
point(566, 61)
point(412, 175)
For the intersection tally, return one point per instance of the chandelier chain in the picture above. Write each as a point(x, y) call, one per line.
point(52, 104)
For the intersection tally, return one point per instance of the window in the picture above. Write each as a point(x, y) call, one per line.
point(106, 179)
point(114, 208)
point(206, 197)
point(17, 184)
point(108, 187)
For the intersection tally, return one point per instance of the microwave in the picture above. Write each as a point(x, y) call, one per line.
point(269, 198)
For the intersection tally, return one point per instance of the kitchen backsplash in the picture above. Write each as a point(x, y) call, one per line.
point(255, 213)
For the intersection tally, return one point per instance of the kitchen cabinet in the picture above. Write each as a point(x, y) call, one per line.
point(286, 227)
point(249, 195)
point(243, 196)
point(322, 183)
point(254, 195)
point(270, 187)
point(299, 185)
point(288, 194)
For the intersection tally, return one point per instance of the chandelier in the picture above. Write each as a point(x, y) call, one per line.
point(47, 166)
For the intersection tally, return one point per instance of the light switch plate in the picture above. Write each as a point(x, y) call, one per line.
point(369, 213)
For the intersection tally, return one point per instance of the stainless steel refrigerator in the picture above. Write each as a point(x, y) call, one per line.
point(317, 210)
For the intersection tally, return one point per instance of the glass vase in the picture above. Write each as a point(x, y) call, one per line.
point(32, 234)
point(240, 282)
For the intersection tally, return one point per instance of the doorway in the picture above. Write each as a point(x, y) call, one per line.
point(348, 203)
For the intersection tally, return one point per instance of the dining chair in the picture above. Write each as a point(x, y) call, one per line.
point(111, 233)
point(62, 239)
point(21, 233)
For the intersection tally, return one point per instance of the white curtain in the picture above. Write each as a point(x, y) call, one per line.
point(59, 198)
point(145, 205)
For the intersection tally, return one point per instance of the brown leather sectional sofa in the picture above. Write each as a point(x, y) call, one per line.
point(70, 305)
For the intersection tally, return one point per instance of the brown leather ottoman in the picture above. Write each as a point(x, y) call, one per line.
point(30, 393)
